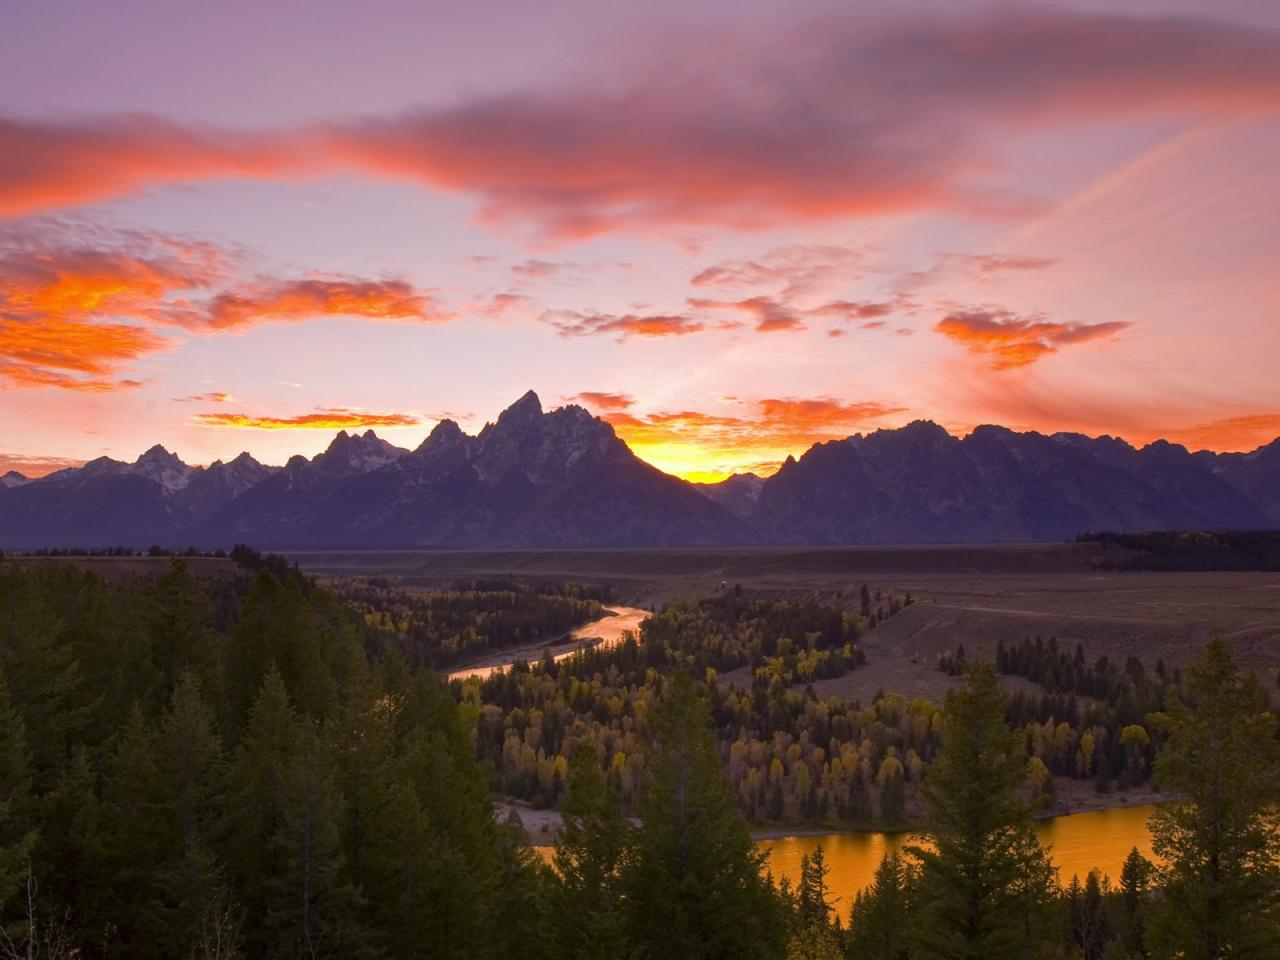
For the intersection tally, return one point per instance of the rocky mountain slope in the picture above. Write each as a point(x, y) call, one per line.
point(562, 478)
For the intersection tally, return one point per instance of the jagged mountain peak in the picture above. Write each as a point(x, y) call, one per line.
point(158, 452)
point(563, 478)
point(165, 468)
point(13, 479)
point(526, 410)
point(358, 452)
point(446, 431)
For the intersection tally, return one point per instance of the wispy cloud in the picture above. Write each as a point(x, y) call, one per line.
point(329, 418)
point(573, 323)
point(832, 118)
point(33, 466)
point(1007, 340)
point(598, 400)
point(76, 312)
point(213, 396)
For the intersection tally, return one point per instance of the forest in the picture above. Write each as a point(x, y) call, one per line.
point(1170, 550)
point(791, 755)
point(258, 768)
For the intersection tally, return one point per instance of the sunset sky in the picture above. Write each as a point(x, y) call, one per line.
point(730, 228)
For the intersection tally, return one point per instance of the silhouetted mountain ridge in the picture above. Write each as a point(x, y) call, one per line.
point(562, 478)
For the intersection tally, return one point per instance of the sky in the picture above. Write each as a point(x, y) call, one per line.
point(732, 229)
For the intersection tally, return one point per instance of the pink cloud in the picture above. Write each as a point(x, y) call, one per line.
point(832, 120)
point(1009, 341)
point(571, 323)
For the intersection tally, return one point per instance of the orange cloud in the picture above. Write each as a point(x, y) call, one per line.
point(831, 119)
point(63, 291)
point(703, 445)
point(770, 315)
point(572, 323)
point(50, 165)
point(297, 300)
point(605, 401)
point(329, 418)
point(213, 396)
point(72, 354)
point(1011, 341)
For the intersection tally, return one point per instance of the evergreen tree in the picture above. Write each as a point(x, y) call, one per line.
point(1220, 835)
point(45, 679)
point(881, 926)
point(985, 882)
point(1089, 920)
point(17, 829)
point(130, 843)
point(286, 857)
point(590, 860)
point(1135, 878)
point(435, 858)
point(525, 901)
point(816, 933)
point(694, 887)
point(190, 776)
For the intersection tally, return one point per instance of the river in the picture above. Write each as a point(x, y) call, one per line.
point(1078, 843)
point(608, 630)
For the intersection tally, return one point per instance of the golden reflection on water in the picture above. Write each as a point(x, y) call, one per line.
point(1078, 843)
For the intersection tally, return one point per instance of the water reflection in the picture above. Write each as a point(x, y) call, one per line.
point(1078, 844)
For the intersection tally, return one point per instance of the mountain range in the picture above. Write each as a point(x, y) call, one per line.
point(562, 478)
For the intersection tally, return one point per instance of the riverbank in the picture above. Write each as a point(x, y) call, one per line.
point(1072, 798)
point(606, 631)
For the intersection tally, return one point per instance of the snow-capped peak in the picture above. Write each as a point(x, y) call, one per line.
point(165, 468)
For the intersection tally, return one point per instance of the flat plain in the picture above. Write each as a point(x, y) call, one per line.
point(973, 596)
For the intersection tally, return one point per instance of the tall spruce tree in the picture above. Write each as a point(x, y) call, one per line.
point(189, 886)
point(881, 926)
point(816, 931)
point(694, 887)
point(17, 828)
point(286, 856)
point(986, 885)
point(591, 857)
point(1220, 835)
point(1135, 880)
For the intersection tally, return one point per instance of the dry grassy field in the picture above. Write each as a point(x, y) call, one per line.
point(115, 569)
point(970, 595)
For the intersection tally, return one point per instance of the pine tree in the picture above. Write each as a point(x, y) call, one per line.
point(190, 775)
point(286, 856)
point(1135, 878)
point(590, 860)
point(435, 856)
point(694, 887)
point(985, 882)
point(1220, 836)
point(881, 927)
point(177, 617)
point(525, 900)
point(45, 679)
point(130, 841)
point(1089, 921)
point(17, 829)
point(816, 933)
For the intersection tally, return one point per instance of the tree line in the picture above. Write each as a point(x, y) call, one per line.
point(246, 768)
